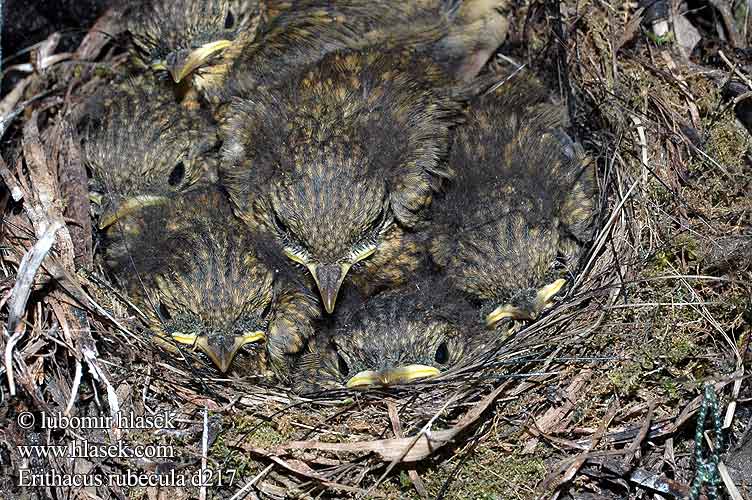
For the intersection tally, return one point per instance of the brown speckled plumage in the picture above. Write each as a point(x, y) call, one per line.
point(143, 145)
point(521, 207)
point(166, 32)
point(459, 36)
point(415, 325)
point(197, 271)
point(330, 160)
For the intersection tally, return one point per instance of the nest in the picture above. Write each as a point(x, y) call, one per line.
point(599, 397)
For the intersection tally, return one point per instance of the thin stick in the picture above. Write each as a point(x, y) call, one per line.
point(242, 491)
point(27, 271)
point(734, 69)
point(425, 431)
point(204, 452)
point(74, 389)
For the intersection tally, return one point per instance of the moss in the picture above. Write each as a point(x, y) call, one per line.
point(727, 143)
point(666, 39)
point(681, 346)
point(252, 433)
point(626, 379)
point(486, 474)
point(261, 434)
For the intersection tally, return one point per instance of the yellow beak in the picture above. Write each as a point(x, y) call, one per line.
point(223, 351)
point(329, 279)
point(96, 198)
point(503, 312)
point(541, 302)
point(128, 207)
point(394, 376)
point(183, 67)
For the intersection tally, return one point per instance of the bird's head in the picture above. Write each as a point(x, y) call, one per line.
point(508, 263)
point(183, 37)
point(144, 151)
point(329, 159)
point(398, 337)
point(213, 296)
point(329, 221)
point(204, 284)
point(501, 226)
point(524, 304)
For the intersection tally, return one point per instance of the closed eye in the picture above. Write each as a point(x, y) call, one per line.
point(291, 249)
point(163, 313)
point(342, 365)
point(383, 220)
point(442, 354)
point(379, 225)
point(177, 174)
point(279, 224)
point(229, 20)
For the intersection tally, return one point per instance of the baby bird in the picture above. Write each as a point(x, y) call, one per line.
point(458, 35)
point(205, 281)
point(341, 161)
point(142, 150)
point(193, 39)
point(397, 337)
point(521, 207)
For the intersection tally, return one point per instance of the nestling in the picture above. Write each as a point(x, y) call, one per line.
point(193, 39)
point(396, 337)
point(142, 150)
point(460, 36)
point(517, 217)
point(340, 162)
point(204, 280)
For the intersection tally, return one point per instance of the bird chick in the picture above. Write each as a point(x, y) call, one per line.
point(143, 150)
point(458, 35)
point(194, 40)
point(396, 337)
point(204, 280)
point(340, 162)
point(521, 207)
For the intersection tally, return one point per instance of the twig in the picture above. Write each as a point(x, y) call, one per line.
point(74, 388)
point(10, 181)
point(425, 431)
point(734, 69)
point(635, 445)
point(728, 22)
point(99, 374)
point(562, 58)
point(580, 459)
point(420, 487)
point(27, 271)
point(728, 482)
point(242, 491)
point(204, 453)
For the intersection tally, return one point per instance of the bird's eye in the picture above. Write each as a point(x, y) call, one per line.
point(342, 365)
point(177, 175)
point(229, 20)
point(280, 225)
point(383, 220)
point(164, 314)
point(442, 354)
